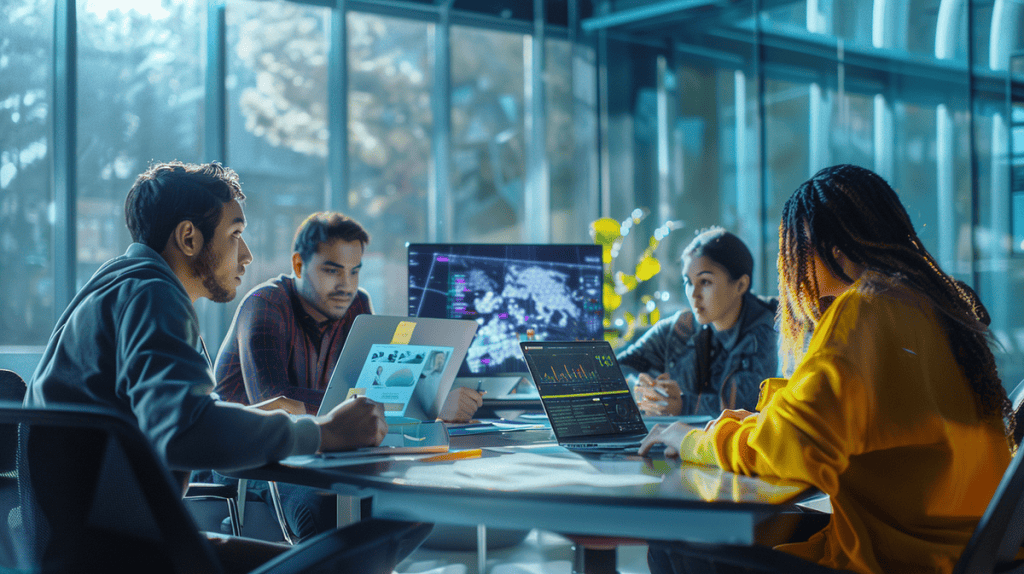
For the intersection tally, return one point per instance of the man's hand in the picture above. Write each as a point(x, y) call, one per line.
point(354, 423)
point(290, 406)
point(669, 435)
point(460, 405)
point(661, 396)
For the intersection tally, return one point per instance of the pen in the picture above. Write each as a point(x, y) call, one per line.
point(478, 384)
point(471, 453)
point(661, 391)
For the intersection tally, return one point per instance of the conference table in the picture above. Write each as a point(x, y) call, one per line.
point(524, 480)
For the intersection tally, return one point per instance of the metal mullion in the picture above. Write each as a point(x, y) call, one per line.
point(214, 318)
point(440, 217)
point(65, 141)
point(336, 192)
point(215, 123)
point(537, 200)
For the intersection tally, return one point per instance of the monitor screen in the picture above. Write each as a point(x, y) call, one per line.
point(514, 292)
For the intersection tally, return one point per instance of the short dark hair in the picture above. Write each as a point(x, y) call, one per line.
point(723, 248)
point(168, 193)
point(324, 226)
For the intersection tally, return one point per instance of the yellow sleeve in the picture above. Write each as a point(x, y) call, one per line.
point(727, 434)
point(807, 427)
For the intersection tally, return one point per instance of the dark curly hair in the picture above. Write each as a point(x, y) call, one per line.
point(853, 209)
point(168, 193)
point(324, 226)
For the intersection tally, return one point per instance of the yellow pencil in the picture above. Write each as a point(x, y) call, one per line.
point(471, 453)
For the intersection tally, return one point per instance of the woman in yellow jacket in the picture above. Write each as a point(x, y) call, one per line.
point(895, 409)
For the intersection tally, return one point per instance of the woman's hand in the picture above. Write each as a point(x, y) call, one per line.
point(660, 397)
point(737, 414)
point(669, 435)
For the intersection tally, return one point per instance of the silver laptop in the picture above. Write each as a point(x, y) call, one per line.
point(370, 330)
point(585, 395)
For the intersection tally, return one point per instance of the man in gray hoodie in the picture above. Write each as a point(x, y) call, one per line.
point(130, 339)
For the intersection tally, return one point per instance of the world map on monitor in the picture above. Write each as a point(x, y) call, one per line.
point(514, 293)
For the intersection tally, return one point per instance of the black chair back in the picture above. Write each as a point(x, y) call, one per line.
point(1000, 532)
point(94, 497)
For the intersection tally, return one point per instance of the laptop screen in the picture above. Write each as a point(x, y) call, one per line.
point(582, 389)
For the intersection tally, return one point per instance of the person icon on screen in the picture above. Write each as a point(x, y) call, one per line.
point(376, 378)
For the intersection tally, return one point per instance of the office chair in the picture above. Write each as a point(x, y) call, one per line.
point(12, 388)
point(95, 497)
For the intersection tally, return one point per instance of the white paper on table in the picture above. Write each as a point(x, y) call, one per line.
point(521, 471)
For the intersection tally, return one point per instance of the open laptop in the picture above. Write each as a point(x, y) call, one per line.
point(372, 333)
point(585, 395)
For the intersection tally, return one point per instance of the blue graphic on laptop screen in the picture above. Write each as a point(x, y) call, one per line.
point(514, 292)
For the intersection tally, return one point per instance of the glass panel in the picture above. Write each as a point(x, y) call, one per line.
point(999, 274)
point(787, 136)
point(852, 129)
point(915, 179)
point(571, 140)
point(787, 14)
point(140, 99)
point(916, 26)
point(390, 124)
point(26, 196)
point(277, 124)
point(488, 160)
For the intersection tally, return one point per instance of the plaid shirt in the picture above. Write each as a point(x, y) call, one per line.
point(275, 348)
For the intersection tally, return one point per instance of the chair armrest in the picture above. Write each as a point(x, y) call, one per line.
point(211, 489)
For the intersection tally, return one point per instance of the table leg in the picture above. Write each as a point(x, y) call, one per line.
point(481, 548)
point(594, 560)
point(348, 510)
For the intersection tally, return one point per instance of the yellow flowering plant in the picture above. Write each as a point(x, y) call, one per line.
point(610, 235)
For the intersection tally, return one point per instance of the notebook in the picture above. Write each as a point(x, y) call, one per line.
point(411, 361)
point(585, 395)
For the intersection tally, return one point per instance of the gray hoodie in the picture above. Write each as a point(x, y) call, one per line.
point(129, 341)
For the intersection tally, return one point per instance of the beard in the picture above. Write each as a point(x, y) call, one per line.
point(219, 293)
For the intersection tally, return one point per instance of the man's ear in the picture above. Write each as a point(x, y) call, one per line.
point(297, 264)
point(187, 239)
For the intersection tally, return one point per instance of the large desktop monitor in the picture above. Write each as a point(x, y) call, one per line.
point(514, 292)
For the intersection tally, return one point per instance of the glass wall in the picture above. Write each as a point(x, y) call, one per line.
point(26, 193)
point(488, 139)
point(390, 162)
point(713, 117)
point(277, 132)
point(885, 85)
point(140, 96)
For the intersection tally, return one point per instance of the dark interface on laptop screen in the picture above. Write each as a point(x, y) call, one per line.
point(583, 390)
point(511, 291)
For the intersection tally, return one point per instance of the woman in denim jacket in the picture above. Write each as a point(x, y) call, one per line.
point(714, 355)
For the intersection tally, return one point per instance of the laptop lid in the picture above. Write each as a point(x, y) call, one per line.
point(584, 392)
point(397, 333)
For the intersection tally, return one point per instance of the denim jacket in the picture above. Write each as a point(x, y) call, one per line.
point(741, 357)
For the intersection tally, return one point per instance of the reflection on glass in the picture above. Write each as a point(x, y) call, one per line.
point(488, 142)
point(277, 124)
point(390, 124)
point(26, 227)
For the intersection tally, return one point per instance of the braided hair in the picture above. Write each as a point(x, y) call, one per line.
point(853, 209)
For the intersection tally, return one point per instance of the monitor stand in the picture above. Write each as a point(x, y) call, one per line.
point(497, 386)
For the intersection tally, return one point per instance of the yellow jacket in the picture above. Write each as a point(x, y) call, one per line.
point(879, 416)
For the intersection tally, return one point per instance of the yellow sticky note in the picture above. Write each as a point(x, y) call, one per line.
point(403, 332)
point(355, 392)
